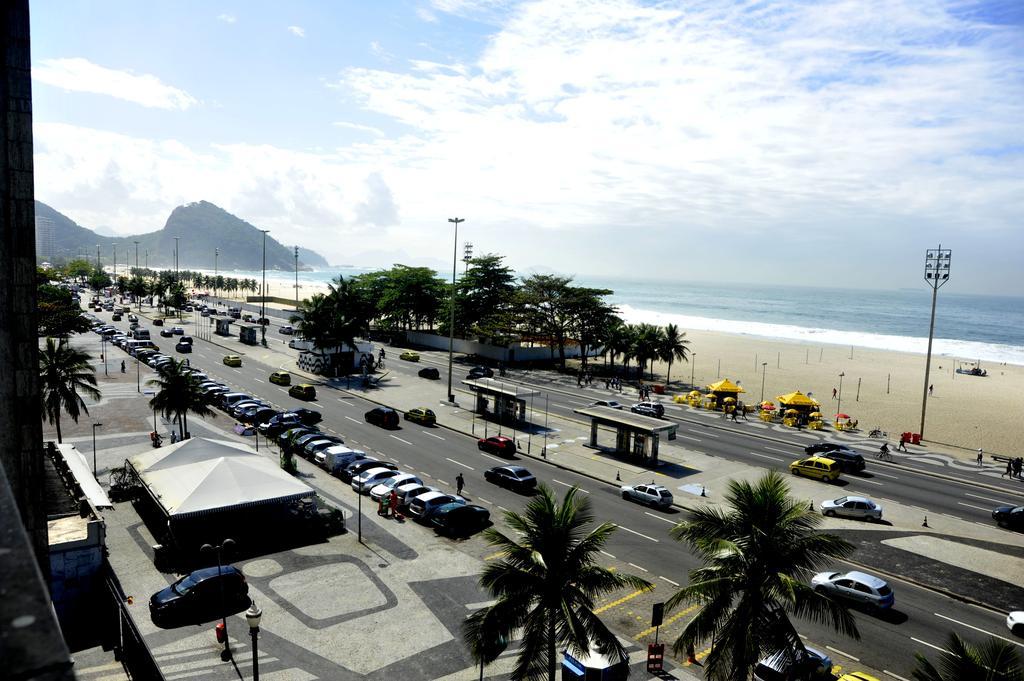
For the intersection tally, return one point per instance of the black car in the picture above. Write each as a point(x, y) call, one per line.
point(1011, 517)
point(166, 333)
point(514, 477)
point(384, 417)
point(297, 443)
point(286, 438)
point(308, 416)
point(259, 416)
point(849, 461)
point(182, 346)
point(481, 372)
point(823, 447)
point(429, 372)
point(158, 322)
point(460, 520)
point(653, 409)
point(279, 423)
point(202, 596)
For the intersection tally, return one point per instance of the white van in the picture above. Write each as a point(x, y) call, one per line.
point(335, 458)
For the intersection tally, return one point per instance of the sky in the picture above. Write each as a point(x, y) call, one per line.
point(826, 142)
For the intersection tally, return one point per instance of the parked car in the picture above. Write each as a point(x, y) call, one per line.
point(653, 409)
point(1015, 622)
point(286, 330)
point(384, 488)
point(239, 408)
point(410, 491)
point(370, 478)
point(816, 467)
point(410, 356)
point(158, 322)
point(858, 587)
point(200, 596)
point(782, 666)
point(852, 507)
point(303, 391)
point(309, 451)
point(514, 477)
point(460, 520)
point(423, 506)
point(481, 372)
point(385, 417)
point(497, 444)
point(421, 415)
point(116, 317)
point(1011, 517)
point(296, 444)
point(652, 495)
point(232, 360)
point(229, 400)
point(308, 416)
point(335, 458)
point(183, 347)
point(288, 436)
point(429, 372)
point(612, 404)
point(281, 378)
point(357, 466)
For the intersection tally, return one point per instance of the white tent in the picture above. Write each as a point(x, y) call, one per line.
point(201, 476)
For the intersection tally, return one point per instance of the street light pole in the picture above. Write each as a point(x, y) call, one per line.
point(693, 360)
point(451, 316)
point(220, 549)
point(839, 404)
point(936, 273)
point(94, 427)
point(176, 259)
point(263, 298)
point(253, 616)
point(98, 268)
point(138, 374)
point(764, 372)
point(216, 255)
point(296, 278)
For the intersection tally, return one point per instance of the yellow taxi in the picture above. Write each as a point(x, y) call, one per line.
point(281, 378)
point(410, 356)
point(858, 676)
point(421, 415)
point(817, 467)
point(303, 391)
point(233, 360)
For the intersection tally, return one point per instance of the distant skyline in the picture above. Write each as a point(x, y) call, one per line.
point(811, 143)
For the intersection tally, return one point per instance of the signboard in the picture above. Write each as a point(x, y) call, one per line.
point(655, 657)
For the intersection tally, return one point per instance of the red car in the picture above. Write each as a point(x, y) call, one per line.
point(497, 444)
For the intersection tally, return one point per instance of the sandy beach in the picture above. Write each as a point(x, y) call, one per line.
point(880, 388)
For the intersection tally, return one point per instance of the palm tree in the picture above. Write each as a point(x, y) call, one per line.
point(673, 346)
point(645, 346)
point(758, 551)
point(993, 660)
point(64, 372)
point(178, 394)
point(546, 586)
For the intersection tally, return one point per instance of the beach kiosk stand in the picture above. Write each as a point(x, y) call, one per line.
point(767, 411)
point(721, 391)
point(797, 402)
point(592, 666)
point(814, 421)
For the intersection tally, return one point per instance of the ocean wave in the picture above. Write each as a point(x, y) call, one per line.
point(968, 350)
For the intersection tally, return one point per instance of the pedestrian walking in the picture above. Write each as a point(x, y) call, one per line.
point(460, 482)
point(1009, 469)
point(122, 366)
point(1018, 463)
point(174, 436)
point(903, 443)
point(834, 393)
point(980, 457)
point(931, 388)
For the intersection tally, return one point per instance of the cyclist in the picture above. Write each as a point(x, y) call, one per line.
point(883, 452)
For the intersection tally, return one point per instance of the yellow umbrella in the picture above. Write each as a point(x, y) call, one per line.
point(694, 393)
point(815, 414)
point(791, 412)
point(797, 399)
point(729, 400)
point(725, 386)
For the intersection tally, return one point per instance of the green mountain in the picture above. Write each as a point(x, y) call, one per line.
point(202, 229)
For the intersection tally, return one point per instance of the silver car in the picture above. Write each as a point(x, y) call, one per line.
point(383, 489)
point(852, 507)
point(652, 495)
point(370, 478)
point(858, 587)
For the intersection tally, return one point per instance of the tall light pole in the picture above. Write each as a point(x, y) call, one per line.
point(253, 616)
point(216, 256)
point(94, 427)
point(467, 255)
point(136, 255)
point(839, 404)
point(176, 259)
point(296, 278)
point(451, 316)
point(220, 549)
point(115, 262)
point(936, 273)
point(764, 372)
point(98, 258)
point(693, 360)
point(263, 298)
point(147, 258)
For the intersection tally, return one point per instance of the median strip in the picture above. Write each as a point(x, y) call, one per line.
point(620, 601)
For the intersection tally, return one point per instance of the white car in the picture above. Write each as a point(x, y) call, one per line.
point(411, 490)
point(852, 507)
point(1015, 622)
point(652, 495)
point(384, 488)
point(611, 404)
point(287, 330)
point(423, 505)
point(370, 478)
point(855, 586)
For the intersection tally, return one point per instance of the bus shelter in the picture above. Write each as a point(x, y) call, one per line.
point(224, 326)
point(249, 334)
point(635, 435)
point(504, 401)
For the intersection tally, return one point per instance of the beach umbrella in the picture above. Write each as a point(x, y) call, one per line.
point(791, 412)
point(768, 406)
point(815, 414)
point(729, 400)
point(842, 416)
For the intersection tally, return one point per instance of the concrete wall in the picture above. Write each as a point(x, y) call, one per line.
point(513, 353)
point(74, 574)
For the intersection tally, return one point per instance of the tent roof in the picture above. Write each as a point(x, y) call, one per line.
point(797, 399)
point(725, 386)
point(199, 476)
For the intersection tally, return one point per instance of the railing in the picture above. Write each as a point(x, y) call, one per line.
point(130, 648)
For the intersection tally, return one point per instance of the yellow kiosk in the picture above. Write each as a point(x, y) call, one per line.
point(721, 392)
point(797, 406)
point(767, 411)
point(814, 421)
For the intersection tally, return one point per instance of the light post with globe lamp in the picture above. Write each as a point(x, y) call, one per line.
point(764, 372)
point(252, 616)
point(839, 404)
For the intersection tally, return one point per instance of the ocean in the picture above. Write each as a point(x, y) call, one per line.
point(967, 327)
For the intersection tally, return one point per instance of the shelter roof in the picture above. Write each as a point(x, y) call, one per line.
point(725, 386)
point(797, 399)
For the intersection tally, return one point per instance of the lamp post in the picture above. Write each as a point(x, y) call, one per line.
point(94, 427)
point(136, 254)
point(936, 273)
point(467, 255)
point(764, 372)
point(693, 360)
point(296, 278)
point(253, 616)
point(103, 353)
point(263, 297)
point(114, 253)
point(147, 258)
point(839, 404)
point(98, 268)
point(138, 374)
point(216, 255)
point(451, 316)
point(219, 549)
point(176, 259)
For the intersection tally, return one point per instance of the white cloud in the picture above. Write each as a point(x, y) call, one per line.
point(297, 30)
point(361, 128)
point(80, 75)
point(227, 18)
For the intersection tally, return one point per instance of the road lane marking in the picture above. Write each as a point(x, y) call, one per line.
point(568, 485)
point(342, 400)
point(283, 390)
point(486, 501)
point(437, 436)
point(668, 580)
point(885, 475)
point(710, 435)
point(894, 675)
point(930, 645)
point(840, 652)
point(687, 437)
point(978, 496)
point(950, 515)
point(982, 631)
point(493, 458)
point(973, 506)
point(400, 439)
point(781, 451)
point(503, 508)
point(258, 380)
point(670, 620)
point(620, 601)
point(766, 456)
point(670, 522)
point(638, 567)
point(871, 482)
point(623, 527)
point(609, 555)
point(352, 419)
point(459, 463)
point(443, 482)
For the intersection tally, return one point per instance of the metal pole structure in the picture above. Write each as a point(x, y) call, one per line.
point(94, 427)
point(936, 273)
point(223, 546)
point(467, 255)
point(176, 259)
point(253, 616)
point(136, 255)
point(529, 437)
point(451, 316)
point(216, 255)
point(764, 372)
point(147, 258)
point(296, 278)
point(98, 268)
point(138, 375)
point(693, 360)
point(114, 251)
point(103, 351)
point(839, 404)
point(544, 449)
point(263, 298)
point(359, 517)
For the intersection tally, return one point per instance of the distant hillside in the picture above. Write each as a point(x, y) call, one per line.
point(201, 227)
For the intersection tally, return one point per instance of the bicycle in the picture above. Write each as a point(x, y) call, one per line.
point(380, 364)
point(884, 453)
point(877, 432)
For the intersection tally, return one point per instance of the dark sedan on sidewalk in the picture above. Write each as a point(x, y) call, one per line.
point(202, 596)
